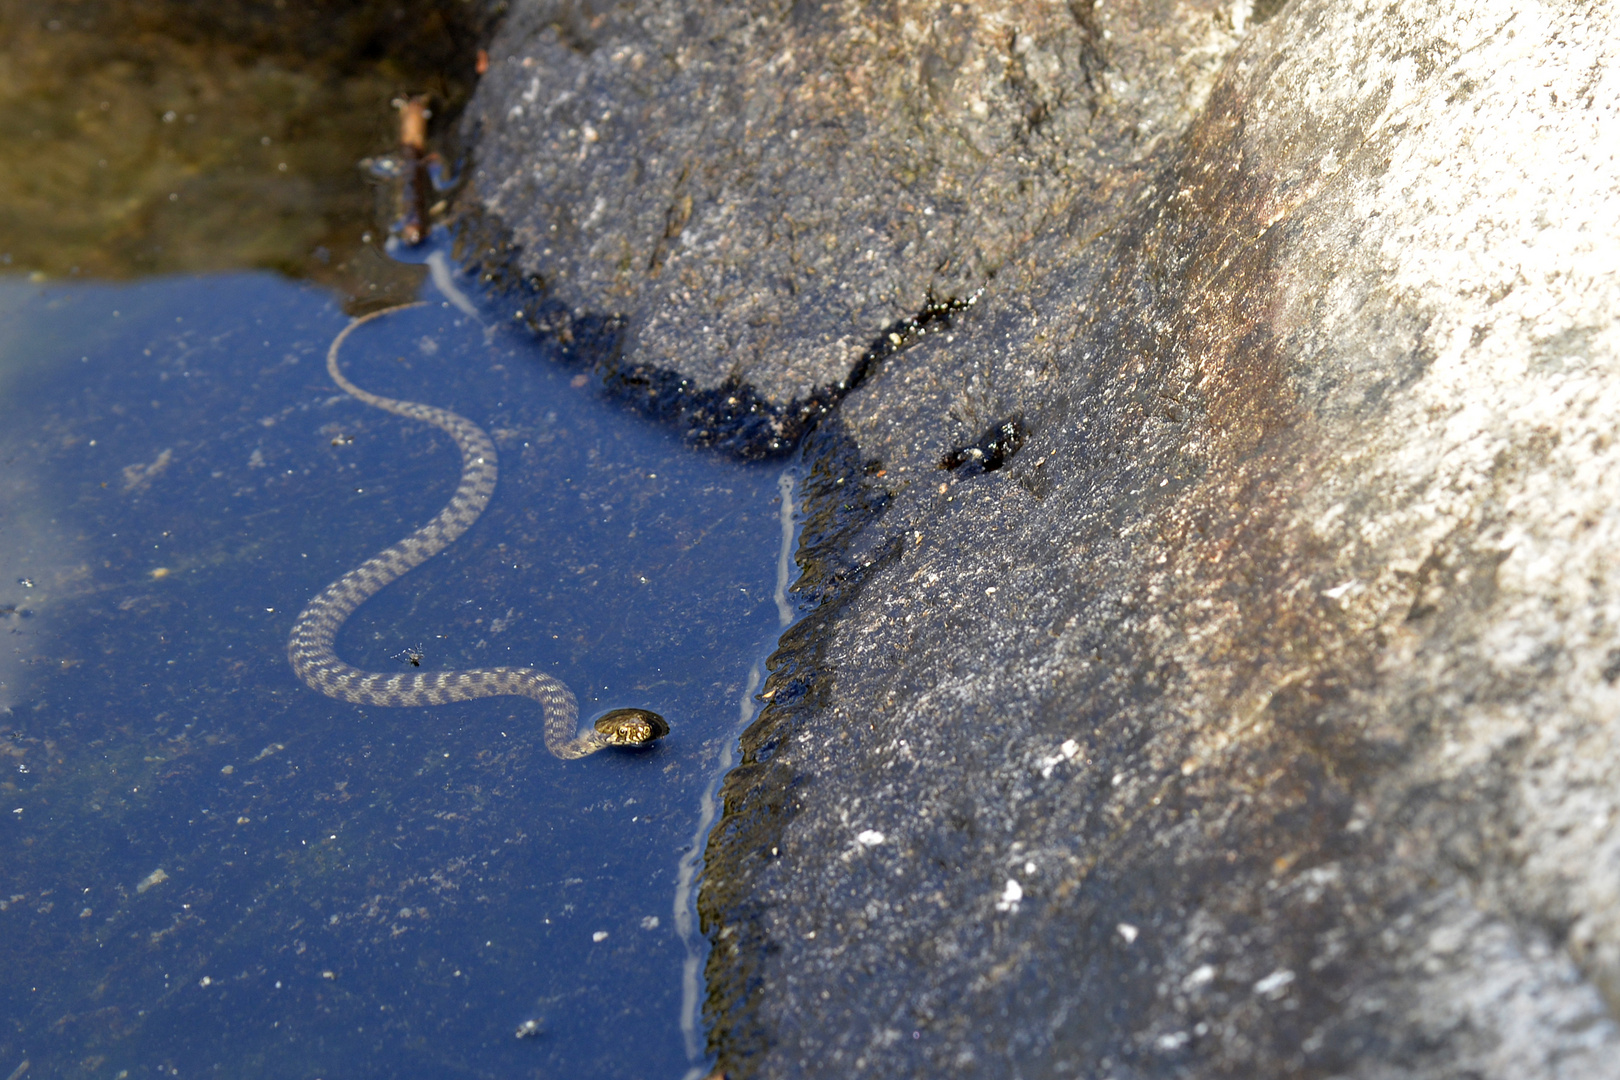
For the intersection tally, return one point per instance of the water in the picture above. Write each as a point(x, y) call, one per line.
point(209, 868)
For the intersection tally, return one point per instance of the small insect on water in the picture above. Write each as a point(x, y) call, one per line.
point(412, 655)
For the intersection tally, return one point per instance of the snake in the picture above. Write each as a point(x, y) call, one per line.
point(310, 645)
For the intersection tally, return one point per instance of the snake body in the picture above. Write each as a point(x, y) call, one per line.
point(310, 645)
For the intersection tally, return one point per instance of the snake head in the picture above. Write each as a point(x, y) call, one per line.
point(631, 727)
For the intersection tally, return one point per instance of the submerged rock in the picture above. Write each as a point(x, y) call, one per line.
point(1258, 716)
point(168, 137)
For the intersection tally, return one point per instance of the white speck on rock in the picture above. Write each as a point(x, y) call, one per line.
point(1010, 896)
point(1202, 975)
point(870, 837)
point(1127, 931)
point(1273, 984)
point(599, 936)
point(1067, 752)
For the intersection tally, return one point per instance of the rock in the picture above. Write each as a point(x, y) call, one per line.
point(1258, 716)
point(762, 191)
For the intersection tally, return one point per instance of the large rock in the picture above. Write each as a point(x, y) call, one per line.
point(763, 189)
point(1259, 716)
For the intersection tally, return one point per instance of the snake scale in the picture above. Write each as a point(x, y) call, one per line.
point(310, 645)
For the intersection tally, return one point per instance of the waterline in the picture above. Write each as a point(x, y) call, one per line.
point(686, 877)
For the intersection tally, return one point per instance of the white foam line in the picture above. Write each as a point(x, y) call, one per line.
point(686, 875)
point(438, 264)
point(784, 557)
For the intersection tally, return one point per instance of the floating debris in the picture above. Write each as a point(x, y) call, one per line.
point(416, 177)
point(273, 748)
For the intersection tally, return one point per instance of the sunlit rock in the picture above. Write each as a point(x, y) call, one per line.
point(1307, 553)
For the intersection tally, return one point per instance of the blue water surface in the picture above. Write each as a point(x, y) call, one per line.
point(210, 869)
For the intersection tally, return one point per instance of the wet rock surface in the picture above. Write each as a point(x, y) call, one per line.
point(1256, 715)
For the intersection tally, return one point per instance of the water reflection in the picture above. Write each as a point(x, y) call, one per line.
point(209, 865)
point(165, 136)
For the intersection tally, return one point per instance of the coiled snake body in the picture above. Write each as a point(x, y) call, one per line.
point(310, 645)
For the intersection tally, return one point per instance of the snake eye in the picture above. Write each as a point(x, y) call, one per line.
point(631, 727)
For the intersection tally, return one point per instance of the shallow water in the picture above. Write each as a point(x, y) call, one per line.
point(167, 136)
point(209, 867)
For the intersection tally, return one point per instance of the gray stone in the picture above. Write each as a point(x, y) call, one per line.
point(761, 189)
point(1261, 715)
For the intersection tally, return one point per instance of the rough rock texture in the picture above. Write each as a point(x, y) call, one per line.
point(1261, 715)
point(753, 181)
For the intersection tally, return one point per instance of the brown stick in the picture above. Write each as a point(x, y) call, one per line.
point(413, 117)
